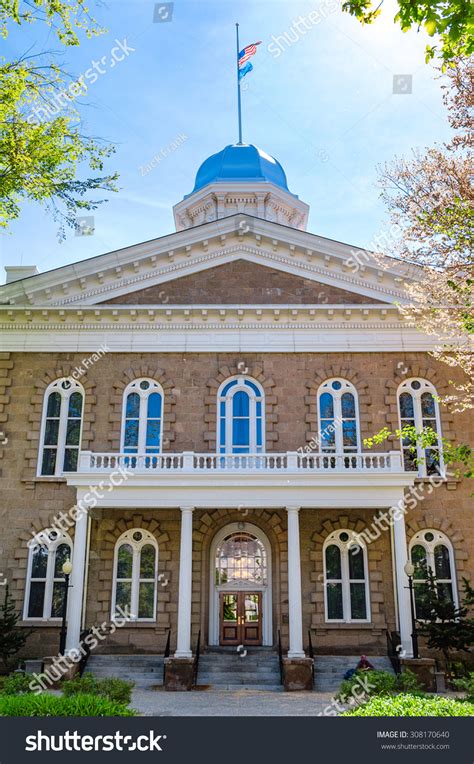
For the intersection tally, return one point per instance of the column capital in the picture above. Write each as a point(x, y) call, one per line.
point(187, 508)
point(293, 508)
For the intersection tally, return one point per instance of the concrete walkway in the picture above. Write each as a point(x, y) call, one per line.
point(232, 703)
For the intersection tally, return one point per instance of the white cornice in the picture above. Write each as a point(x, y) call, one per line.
point(211, 314)
point(203, 329)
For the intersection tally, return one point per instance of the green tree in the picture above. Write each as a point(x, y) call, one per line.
point(65, 17)
point(453, 454)
point(446, 627)
point(44, 160)
point(12, 639)
point(451, 20)
point(430, 200)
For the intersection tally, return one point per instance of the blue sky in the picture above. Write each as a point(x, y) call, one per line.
point(324, 107)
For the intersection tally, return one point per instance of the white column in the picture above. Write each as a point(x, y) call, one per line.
point(294, 585)
point(183, 647)
point(403, 594)
point(76, 582)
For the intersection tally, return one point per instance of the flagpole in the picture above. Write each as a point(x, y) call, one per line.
point(239, 103)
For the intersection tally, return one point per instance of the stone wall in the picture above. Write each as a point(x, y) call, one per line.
point(241, 283)
point(29, 503)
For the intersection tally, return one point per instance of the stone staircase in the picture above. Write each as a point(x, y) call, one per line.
point(225, 669)
point(144, 670)
point(329, 670)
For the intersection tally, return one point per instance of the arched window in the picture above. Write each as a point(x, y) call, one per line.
point(432, 550)
point(142, 417)
point(346, 580)
point(135, 576)
point(241, 417)
point(241, 560)
point(44, 596)
point(61, 427)
point(419, 408)
point(338, 417)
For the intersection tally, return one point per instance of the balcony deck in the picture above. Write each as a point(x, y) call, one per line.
point(210, 480)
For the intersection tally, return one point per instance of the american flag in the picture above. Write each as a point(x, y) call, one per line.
point(248, 52)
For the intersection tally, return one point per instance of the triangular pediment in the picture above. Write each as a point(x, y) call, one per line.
point(235, 260)
point(241, 282)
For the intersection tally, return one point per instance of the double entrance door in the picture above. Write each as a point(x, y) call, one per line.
point(240, 618)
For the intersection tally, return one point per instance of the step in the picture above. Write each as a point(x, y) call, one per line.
point(329, 670)
point(117, 659)
point(248, 687)
point(244, 676)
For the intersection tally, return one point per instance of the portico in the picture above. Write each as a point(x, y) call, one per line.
point(289, 488)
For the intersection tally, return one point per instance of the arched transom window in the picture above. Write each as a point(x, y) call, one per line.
point(142, 417)
point(432, 550)
point(241, 560)
point(44, 596)
point(241, 415)
point(419, 408)
point(61, 427)
point(346, 578)
point(135, 576)
point(338, 417)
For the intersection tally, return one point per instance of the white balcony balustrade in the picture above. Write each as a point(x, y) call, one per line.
point(189, 462)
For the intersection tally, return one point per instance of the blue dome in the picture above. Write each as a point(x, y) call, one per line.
point(240, 162)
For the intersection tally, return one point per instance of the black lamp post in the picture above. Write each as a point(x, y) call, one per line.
point(67, 568)
point(409, 570)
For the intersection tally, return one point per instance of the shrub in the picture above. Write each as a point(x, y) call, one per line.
point(408, 682)
point(52, 705)
point(86, 684)
point(116, 690)
point(412, 705)
point(372, 682)
point(14, 684)
point(466, 684)
point(12, 638)
point(378, 683)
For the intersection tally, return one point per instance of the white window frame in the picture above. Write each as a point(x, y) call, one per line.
point(134, 387)
point(425, 387)
point(127, 538)
point(346, 387)
point(345, 549)
point(56, 386)
point(438, 538)
point(227, 399)
point(43, 538)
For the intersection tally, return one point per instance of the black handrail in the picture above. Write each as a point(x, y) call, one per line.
point(196, 659)
point(166, 654)
point(280, 657)
point(393, 646)
point(311, 652)
point(310, 645)
point(86, 651)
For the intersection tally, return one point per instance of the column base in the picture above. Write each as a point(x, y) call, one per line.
point(58, 670)
point(425, 670)
point(179, 674)
point(297, 674)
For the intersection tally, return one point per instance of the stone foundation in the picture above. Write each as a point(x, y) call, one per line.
point(425, 670)
point(179, 674)
point(297, 674)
